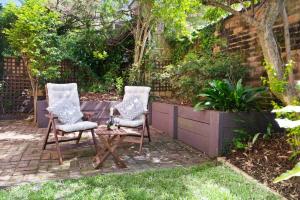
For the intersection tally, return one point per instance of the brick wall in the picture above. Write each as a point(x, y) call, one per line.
point(242, 38)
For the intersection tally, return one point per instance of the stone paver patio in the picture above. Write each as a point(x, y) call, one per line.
point(22, 159)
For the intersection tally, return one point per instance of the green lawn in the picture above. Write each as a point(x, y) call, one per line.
point(208, 181)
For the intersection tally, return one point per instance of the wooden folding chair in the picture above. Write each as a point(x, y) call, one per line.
point(141, 122)
point(66, 94)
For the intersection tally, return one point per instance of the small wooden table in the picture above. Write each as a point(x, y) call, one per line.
point(110, 140)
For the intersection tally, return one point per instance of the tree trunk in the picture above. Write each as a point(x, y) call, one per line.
point(270, 50)
point(273, 57)
point(141, 34)
point(34, 87)
point(269, 13)
point(287, 41)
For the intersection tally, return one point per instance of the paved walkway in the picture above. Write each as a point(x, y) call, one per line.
point(22, 159)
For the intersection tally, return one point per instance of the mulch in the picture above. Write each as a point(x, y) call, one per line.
point(174, 101)
point(266, 160)
point(111, 96)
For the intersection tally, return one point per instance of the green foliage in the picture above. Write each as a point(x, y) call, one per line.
point(7, 18)
point(119, 85)
point(241, 138)
point(224, 96)
point(88, 49)
point(100, 55)
point(174, 14)
point(245, 140)
point(97, 88)
point(214, 14)
point(194, 73)
point(289, 174)
point(34, 36)
point(293, 134)
point(194, 64)
point(268, 133)
point(200, 41)
point(277, 85)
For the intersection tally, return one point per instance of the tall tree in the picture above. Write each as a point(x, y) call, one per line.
point(34, 36)
point(141, 32)
point(262, 15)
point(147, 14)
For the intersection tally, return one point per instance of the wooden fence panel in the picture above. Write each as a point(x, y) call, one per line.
point(16, 84)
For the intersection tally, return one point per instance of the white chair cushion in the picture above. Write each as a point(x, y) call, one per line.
point(129, 123)
point(66, 93)
point(79, 126)
point(130, 108)
point(140, 91)
point(67, 113)
point(63, 101)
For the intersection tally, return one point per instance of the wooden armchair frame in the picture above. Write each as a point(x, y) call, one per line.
point(53, 121)
point(145, 126)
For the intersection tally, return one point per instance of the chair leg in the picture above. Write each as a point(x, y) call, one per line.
point(79, 136)
point(148, 130)
point(94, 140)
point(47, 135)
point(142, 139)
point(57, 148)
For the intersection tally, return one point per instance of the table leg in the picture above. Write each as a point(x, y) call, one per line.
point(110, 146)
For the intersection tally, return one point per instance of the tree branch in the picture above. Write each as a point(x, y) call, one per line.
point(227, 8)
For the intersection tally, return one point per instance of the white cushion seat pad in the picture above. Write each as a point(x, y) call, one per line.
point(78, 126)
point(129, 123)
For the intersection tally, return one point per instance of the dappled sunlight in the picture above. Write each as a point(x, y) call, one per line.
point(82, 188)
point(13, 135)
point(207, 189)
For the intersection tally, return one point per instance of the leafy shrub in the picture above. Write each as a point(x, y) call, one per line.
point(96, 57)
point(293, 134)
point(119, 85)
point(245, 140)
point(97, 88)
point(224, 96)
point(289, 174)
point(241, 138)
point(193, 73)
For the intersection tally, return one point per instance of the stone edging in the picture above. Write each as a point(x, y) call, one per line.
point(247, 176)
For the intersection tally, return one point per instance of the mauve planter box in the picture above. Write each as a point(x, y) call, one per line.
point(199, 129)
point(100, 109)
point(209, 131)
point(162, 118)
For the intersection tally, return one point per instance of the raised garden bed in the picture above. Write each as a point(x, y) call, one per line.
point(266, 160)
point(209, 131)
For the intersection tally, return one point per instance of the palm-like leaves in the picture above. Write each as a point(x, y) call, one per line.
point(223, 96)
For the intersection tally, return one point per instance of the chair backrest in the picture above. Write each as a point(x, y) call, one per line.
point(66, 93)
point(139, 91)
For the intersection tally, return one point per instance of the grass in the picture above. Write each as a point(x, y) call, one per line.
point(207, 181)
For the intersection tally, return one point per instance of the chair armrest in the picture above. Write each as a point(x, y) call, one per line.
point(146, 112)
point(51, 116)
